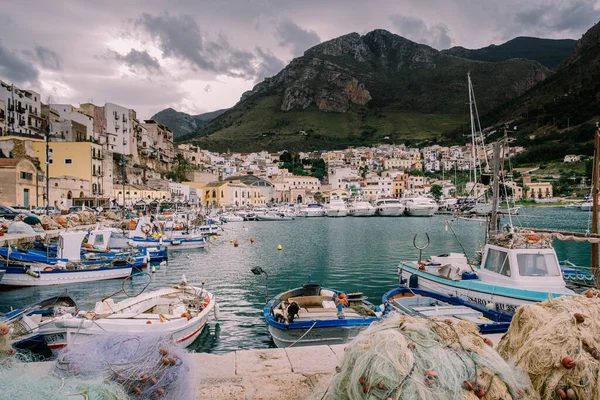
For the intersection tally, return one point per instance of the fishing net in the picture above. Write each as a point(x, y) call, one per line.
point(114, 367)
point(557, 342)
point(404, 357)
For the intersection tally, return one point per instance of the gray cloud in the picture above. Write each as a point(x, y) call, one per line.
point(180, 37)
point(136, 58)
point(15, 69)
point(295, 37)
point(47, 58)
point(436, 36)
point(568, 16)
point(268, 64)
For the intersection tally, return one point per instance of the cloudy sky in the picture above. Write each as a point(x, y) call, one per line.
point(198, 56)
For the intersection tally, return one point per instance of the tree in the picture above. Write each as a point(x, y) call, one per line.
point(437, 192)
point(319, 197)
point(181, 166)
point(364, 170)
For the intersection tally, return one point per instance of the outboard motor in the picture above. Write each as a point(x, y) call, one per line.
point(292, 311)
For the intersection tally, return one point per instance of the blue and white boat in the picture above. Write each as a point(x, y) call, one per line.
point(311, 315)
point(577, 276)
point(507, 277)
point(314, 210)
point(146, 234)
point(426, 304)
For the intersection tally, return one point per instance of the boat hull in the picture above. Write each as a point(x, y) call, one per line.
point(390, 211)
point(366, 212)
point(472, 291)
point(316, 336)
point(337, 212)
point(420, 211)
point(171, 244)
point(18, 277)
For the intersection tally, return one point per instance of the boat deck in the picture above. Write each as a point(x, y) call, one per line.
point(427, 307)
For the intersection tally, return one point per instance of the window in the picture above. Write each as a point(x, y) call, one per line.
point(26, 175)
point(51, 161)
point(68, 161)
point(497, 261)
point(537, 265)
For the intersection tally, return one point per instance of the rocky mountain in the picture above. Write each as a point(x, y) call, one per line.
point(357, 89)
point(557, 116)
point(548, 52)
point(181, 123)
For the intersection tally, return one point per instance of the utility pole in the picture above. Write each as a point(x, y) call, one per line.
point(47, 167)
point(123, 163)
point(595, 205)
point(496, 190)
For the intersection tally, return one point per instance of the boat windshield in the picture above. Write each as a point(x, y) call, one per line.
point(537, 265)
point(497, 261)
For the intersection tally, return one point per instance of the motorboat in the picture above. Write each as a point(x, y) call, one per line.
point(146, 234)
point(361, 209)
point(110, 238)
point(314, 210)
point(231, 218)
point(180, 313)
point(337, 208)
point(427, 304)
point(389, 207)
point(311, 315)
point(23, 323)
point(509, 275)
point(273, 216)
point(420, 206)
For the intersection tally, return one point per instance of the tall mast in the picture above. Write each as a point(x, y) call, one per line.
point(496, 190)
point(595, 205)
point(473, 149)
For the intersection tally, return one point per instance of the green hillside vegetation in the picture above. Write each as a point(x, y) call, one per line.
point(265, 126)
point(548, 52)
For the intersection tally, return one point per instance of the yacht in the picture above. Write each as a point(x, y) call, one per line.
point(314, 210)
point(389, 208)
point(337, 208)
point(361, 209)
point(420, 206)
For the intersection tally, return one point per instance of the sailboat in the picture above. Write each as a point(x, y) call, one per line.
point(516, 268)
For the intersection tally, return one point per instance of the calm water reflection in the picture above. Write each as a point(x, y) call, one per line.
point(352, 254)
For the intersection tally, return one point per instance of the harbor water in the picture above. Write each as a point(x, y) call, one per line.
point(350, 254)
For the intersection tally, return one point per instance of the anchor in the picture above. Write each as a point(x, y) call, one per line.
point(421, 248)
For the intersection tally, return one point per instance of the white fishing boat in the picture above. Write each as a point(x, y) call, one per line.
point(146, 234)
point(273, 216)
point(69, 267)
point(180, 312)
point(231, 218)
point(361, 208)
point(314, 210)
point(337, 208)
point(420, 206)
point(389, 207)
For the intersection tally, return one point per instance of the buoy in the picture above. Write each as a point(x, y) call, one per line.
point(251, 240)
point(490, 306)
point(214, 237)
point(230, 240)
point(153, 269)
point(279, 247)
point(236, 243)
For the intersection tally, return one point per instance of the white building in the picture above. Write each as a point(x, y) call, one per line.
point(337, 176)
point(70, 113)
point(23, 110)
point(117, 128)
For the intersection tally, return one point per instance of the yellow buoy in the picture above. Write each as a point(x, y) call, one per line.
point(230, 240)
point(279, 247)
point(251, 240)
point(214, 237)
point(236, 243)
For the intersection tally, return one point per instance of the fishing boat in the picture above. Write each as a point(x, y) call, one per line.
point(145, 234)
point(361, 208)
point(389, 207)
point(273, 216)
point(311, 315)
point(337, 208)
point(231, 218)
point(427, 304)
point(314, 210)
point(420, 206)
point(180, 313)
point(24, 322)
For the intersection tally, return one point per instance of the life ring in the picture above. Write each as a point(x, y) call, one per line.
point(146, 228)
point(206, 301)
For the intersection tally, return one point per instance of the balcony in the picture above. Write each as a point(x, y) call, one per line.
point(21, 110)
point(2, 115)
point(22, 122)
point(11, 107)
point(116, 116)
point(124, 118)
point(117, 127)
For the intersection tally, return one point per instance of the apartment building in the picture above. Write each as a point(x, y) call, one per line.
point(117, 129)
point(68, 112)
point(162, 139)
point(22, 184)
point(23, 113)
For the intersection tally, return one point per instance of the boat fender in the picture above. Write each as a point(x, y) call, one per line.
point(175, 242)
point(29, 272)
point(206, 302)
point(49, 269)
point(413, 281)
point(217, 311)
point(186, 315)
point(422, 266)
point(146, 228)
